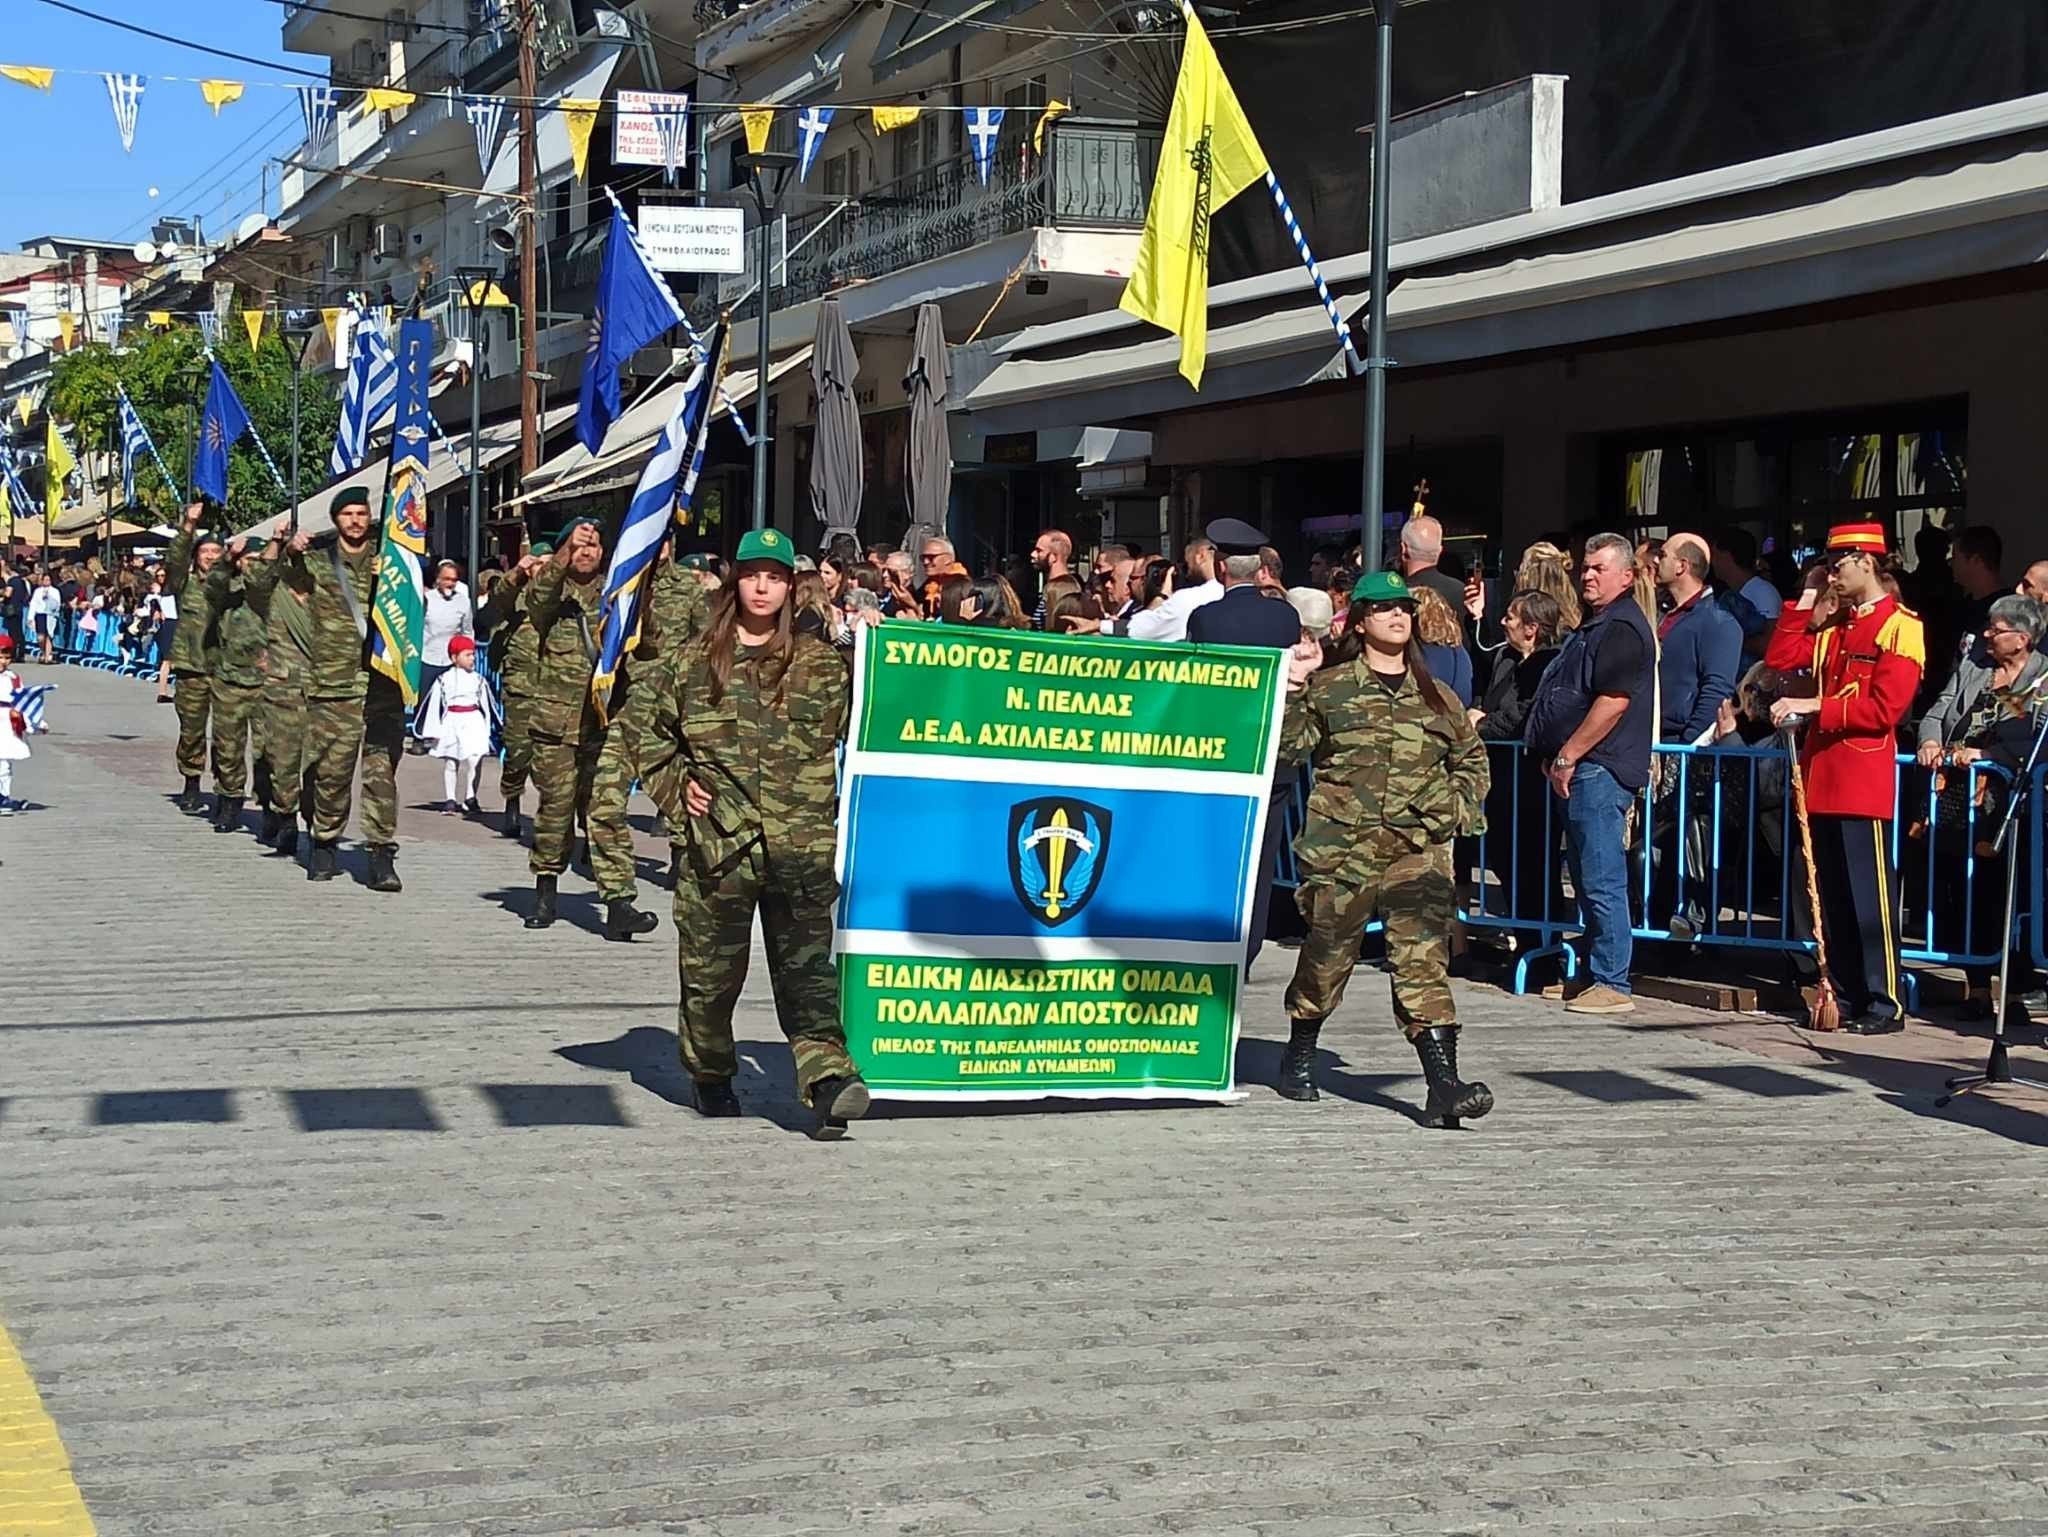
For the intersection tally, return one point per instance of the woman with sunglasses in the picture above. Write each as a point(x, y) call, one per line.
point(1399, 773)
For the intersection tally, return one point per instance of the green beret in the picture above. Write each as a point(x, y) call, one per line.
point(349, 496)
point(1382, 587)
point(541, 547)
point(204, 536)
point(562, 534)
point(766, 544)
point(695, 562)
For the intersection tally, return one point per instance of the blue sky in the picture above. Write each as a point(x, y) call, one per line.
point(67, 173)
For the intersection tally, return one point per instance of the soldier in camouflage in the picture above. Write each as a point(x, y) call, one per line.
point(677, 608)
point(351, 711)
point(514, 653)
point(739, 755)
point(564, 603)
point(287, 663)
point(1399, 773)
point(237, 680)
point(192, 552)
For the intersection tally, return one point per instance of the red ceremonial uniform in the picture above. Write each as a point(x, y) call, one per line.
point(1865, 673)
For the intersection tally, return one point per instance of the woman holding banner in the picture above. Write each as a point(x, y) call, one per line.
point(1400, 772)
point(740, 756)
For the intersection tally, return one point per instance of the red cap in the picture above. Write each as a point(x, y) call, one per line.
point(460, 644)
point(6, 641)
point(1857, 538)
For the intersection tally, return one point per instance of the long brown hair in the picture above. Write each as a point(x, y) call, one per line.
point(1352, 645)
point(721, 639)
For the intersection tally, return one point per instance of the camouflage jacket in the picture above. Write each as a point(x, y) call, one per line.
point(513, 647)
point(288, 622)
point(765, 751)
point(566, 616)
point(1383, 762)
point(337, 588)
point(678, 609)
point(241, 628)
point(194, 646)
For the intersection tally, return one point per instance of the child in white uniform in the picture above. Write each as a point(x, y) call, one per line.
point(456, 723)
point(13, 737)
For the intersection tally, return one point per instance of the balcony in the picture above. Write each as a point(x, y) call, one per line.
point(736, 32)
point(359, 136)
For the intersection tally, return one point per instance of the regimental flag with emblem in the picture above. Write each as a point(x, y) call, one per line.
point(220, 428)
point(1209, 156)
point(398, 601)
point(634, 306)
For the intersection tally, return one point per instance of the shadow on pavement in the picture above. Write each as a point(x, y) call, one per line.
point(576, 909)
point(766, 1084)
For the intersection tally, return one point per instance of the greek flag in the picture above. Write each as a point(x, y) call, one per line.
point(125, 91)
point(983, 125)
point(317, 103)
point(16, 491)
point(485, 114)
point(31, 702)
point(371, 391)
point(811, 124)
point(665, 489)
point(672, 127)
point(134, 442)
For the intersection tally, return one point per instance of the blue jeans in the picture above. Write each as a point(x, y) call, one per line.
point(1595, 845)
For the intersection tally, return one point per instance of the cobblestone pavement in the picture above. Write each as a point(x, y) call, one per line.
point(325, 1212)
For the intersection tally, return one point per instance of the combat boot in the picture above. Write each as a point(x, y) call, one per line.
point(228, 817)
point(511, 827)
point(320, 865)
point(622, 920)
point(273, 824)
point(1297, 1078)
point(675, 864)
point(715, 1098)
point(288, 840)
point(543, 914)
point(189, 800)
point(835, 1101)
point(1449, 1100)
point(384, 868)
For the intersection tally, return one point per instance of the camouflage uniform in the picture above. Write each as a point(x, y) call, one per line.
point(566, 613)
point(515, 653)
point(1395, 782)
point(678, 608)
point(765, 752)
point(288, 659)
point(192, 654)
point(350, 711)
point(237, 679)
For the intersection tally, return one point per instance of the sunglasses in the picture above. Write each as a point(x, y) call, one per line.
point(1390, 606)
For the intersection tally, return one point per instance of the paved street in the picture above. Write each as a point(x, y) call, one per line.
point(325, 1212)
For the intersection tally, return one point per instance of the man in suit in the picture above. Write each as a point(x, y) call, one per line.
point(1246, 616)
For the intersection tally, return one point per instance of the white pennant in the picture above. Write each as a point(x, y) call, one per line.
point(983, 124)
point(485, 114)
point(672, 126)
point(125, 91)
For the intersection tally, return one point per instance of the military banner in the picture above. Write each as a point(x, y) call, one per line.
point(1047, 850)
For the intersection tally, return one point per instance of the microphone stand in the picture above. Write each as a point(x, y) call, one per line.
point(1997, 1068)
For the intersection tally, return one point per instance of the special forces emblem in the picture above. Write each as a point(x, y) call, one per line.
point(1057, 852)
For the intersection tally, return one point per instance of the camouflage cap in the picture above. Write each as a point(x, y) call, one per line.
point(766, 544)
point(1382, 587)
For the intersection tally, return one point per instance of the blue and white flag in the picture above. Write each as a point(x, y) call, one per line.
point(31, 701)
point(220, 429)
point(316, 103)
point(811, 124)
point(135, 441)
point(209, 328)
point(983, 125)
point(16, 491)
point(371, 391)
point(634, 306)
point(486, 114)
point(671, 116)
point(664, 493)
point(126, 93)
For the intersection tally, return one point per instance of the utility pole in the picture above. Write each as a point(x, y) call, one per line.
point(529, 215)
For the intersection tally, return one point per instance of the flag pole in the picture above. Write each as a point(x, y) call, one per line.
point(1376, 360)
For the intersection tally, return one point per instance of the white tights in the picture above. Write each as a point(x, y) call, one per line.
point(460, 778)
point(6, 778)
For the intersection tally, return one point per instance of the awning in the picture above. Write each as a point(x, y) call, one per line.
point(578, 472)
point(30, 531)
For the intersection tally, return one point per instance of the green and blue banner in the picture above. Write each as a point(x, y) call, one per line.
point(1046, 854)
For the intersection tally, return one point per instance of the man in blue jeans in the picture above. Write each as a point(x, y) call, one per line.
point(1591, 726)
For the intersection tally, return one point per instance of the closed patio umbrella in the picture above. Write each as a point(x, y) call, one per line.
point(838, 470)
point(930, 450)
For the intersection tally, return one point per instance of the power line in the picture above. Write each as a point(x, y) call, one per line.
point(180, 42)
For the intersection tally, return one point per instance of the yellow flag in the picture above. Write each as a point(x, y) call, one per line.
point(757, 121)
point(889, 119)
point(328, 319)
point(1209, 156)
point(33, 75)
point(252, 321)
point(384, 99)
point(58, 464)
point(67, 328)
point(6, 512)
point(1052, 110)
point(579, 116)
point(219, 93)
point(24, 407)
point(157, 320)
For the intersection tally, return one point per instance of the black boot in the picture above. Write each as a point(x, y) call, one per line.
point(675, 864)
point(384, 868)
point(189, 800)
point(622, 920)
point(715, 1098)
point(288, 840)
point(1449, 1100)
point(228, 816)
point(836, 1101)
point(273, 824)
point(543, 914)
point(511, 827)
point(320, 866)
point(1297, 1078)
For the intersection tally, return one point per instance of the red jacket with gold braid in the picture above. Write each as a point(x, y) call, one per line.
point(1865, 673)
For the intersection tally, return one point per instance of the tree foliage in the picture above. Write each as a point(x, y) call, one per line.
point(166, 376)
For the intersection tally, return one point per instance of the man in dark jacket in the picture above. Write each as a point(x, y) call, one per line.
point(1699, 662)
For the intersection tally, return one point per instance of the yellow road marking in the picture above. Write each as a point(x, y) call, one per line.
point(38, 1496)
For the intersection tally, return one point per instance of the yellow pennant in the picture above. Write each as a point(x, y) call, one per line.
point(6, 512)
point(757, 121)
point(219, 93)
point(58, 463)
point(1052, 110)
point(579, 116)
point(889, 119)
point(384, 99)
point(24, 407)
point(328, 319)
point(252, 321)
point(67, 328)
point(32, 75)
point(157, 320)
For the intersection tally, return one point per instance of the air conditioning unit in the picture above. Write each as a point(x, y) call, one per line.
point(362, 59)
point(387, 242)
point(340, 255)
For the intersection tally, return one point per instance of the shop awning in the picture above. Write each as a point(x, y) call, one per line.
point(1937, 201)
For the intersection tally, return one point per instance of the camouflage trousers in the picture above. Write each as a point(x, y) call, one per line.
point(194, 703)
point(611, 787)
point(1413, 892)
point(714, 936)
point(338, 732)
point(289, 793)
point(518, 765)
point(562, 773)
point(235, 707)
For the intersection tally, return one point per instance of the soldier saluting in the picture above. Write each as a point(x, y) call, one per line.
point(565, 604)
point(1400, 772)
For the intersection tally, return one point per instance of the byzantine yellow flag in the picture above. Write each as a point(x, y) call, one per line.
point(757, 121)
point(219, 93)
point(383, 99)
point(67, 328)
point(1210, 155)
point(6, 512)
point(32, 75)
point(889, 119)
point(24, 407)
point(328, 319)
point(58, 463)
point(579, 116)
point(252, 321)
point(157, 320)
point(1053, 109)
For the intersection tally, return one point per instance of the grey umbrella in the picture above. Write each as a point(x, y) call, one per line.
point(930, 450)
point(838, 473)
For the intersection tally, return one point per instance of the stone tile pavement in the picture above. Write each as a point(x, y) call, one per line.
point(324, 1212)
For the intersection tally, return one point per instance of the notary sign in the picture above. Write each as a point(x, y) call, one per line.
point(684, 238)
point(1047, 850)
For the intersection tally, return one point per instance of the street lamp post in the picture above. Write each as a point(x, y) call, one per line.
point(298, 327)
point(1372, 514)
point(476, 292)
point(767, 174)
